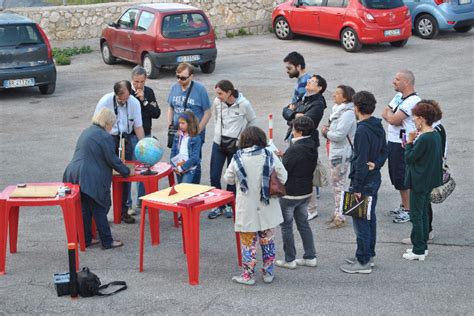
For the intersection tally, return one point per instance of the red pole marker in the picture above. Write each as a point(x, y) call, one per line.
point(72, 269)
point(270, 127)
point(172, 191)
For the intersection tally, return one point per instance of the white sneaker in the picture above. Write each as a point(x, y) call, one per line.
point(410, 250)
point(240, 279)
point(131, 211)
point(307, 262)
point(312, 215)
point(286, 265)
point(412, 256)
point(268, 278)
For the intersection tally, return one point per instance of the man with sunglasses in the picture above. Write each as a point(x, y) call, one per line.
point(189, 95)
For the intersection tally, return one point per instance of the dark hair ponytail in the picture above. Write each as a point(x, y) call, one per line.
point(226, 86)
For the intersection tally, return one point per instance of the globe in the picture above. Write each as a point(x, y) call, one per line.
point(149, 151)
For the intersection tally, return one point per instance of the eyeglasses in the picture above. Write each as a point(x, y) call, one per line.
point(312, 81)
point(182, 78)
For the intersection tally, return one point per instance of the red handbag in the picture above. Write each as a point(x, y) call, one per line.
point(277, 189)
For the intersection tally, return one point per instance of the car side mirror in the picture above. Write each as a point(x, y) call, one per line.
point(113, 24)
point(298, 3)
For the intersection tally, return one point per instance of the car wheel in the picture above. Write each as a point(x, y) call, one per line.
point(283, 29)
point(349, 40)
point(107, 56)
point(47, 88)
point(426, 26)
point(152, 71)
point(463, 29)
point(399, 43)
point(208, 67)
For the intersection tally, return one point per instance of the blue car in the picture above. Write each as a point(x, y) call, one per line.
point(431, 16)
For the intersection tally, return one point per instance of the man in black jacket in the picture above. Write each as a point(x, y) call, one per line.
point(312, 105)
point(150, 110)
point(370, 153)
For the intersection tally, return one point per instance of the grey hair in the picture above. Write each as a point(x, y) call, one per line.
point(105, 117)
point(408, 74)
point(138, 71)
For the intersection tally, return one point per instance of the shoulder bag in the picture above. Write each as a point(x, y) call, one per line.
point(228, 145)
point(320, 175)
point(88, 284)
point(439, 194)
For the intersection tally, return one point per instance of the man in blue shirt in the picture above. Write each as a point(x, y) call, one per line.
point(189, 95)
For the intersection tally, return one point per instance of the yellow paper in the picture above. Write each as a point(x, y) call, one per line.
point(38, 191)
point(184, 191)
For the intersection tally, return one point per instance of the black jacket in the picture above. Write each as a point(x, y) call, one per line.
point(311, 106)
point(299, 161)
point(150, 109)
point(369, 145)
point(92, 164)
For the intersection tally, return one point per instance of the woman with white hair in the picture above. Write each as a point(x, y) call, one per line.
point(91, 168)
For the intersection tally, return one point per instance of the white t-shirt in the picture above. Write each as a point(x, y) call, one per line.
point(398, 103)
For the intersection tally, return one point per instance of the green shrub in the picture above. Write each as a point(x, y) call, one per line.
point(229, 34)
point(242, 32)
point(62, 59)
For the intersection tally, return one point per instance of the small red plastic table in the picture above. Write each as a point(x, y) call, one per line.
point(191, 225)
point(150, 182)
point(9, 217)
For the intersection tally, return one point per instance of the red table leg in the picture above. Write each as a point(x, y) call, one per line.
point(3, 235)
point(13, 226)
point(70, 225)
point(153, 217)
point(192, 245)
point(237, 236)
point(117, 189)
point(79, 222)
point(142, 235)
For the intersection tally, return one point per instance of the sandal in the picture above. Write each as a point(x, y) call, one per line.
point(115, 244)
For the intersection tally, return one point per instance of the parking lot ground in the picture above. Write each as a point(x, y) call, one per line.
point(38, 135)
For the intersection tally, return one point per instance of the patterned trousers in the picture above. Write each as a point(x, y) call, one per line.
point(338, 173)
point(248, 242)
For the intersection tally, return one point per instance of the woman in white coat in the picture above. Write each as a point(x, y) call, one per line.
point(340, 134)
point(256, 212)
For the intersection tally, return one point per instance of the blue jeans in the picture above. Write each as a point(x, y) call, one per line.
point(218, 159)
point(366, 231)
point(188, 177)
point(296, 209)
point(91, 208)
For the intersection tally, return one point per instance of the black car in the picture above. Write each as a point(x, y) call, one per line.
point(26, 57)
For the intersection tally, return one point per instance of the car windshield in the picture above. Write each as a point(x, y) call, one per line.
point(17, 35)
point(184, 25)
point(382, 4)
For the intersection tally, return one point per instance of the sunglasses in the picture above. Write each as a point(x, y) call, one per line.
point(182, 78)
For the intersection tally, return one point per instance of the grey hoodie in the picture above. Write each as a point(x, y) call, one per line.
point(343, 124)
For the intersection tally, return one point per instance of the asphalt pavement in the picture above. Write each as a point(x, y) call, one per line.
point(38, 135)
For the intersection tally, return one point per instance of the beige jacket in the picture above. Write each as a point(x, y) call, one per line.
point(251, 214)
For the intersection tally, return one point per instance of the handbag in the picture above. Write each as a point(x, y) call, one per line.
point(228, 145)
point(277, 189)
point(88, 284)
point(439, 194)
point(320, 178)
point(173, 129)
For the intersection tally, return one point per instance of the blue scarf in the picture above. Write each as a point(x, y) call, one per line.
point(267, 166)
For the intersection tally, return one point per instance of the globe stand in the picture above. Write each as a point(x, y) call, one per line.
point(148, 172)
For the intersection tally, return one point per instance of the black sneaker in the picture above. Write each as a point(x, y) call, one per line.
point(128, 219)
point(215, 213)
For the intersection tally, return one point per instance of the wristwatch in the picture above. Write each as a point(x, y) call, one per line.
point(145, 102)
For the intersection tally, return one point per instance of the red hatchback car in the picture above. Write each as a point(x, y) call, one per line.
point(161, 34)
point(352, 22)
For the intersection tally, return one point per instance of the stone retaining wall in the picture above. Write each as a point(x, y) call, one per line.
point(69, 23)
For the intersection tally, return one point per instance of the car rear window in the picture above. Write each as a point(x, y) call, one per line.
point(382, 4)
point(184, 25)
point(14, 35)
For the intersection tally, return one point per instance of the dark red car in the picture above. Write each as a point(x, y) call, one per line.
point(352, 22)
point(161, 34)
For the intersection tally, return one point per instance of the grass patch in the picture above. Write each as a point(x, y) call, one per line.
point(242, 32)
point(62, 56)
point(229, 34)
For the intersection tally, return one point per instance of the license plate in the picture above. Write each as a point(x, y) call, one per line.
point(16, 83)
point(183, 59)
point(464, 1)
point(395, 32)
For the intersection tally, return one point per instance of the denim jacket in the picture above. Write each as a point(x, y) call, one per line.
point(194, 150)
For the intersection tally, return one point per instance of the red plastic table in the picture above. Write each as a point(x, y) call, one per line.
point(150, 182)
point(191, 226)
point(9, 217)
